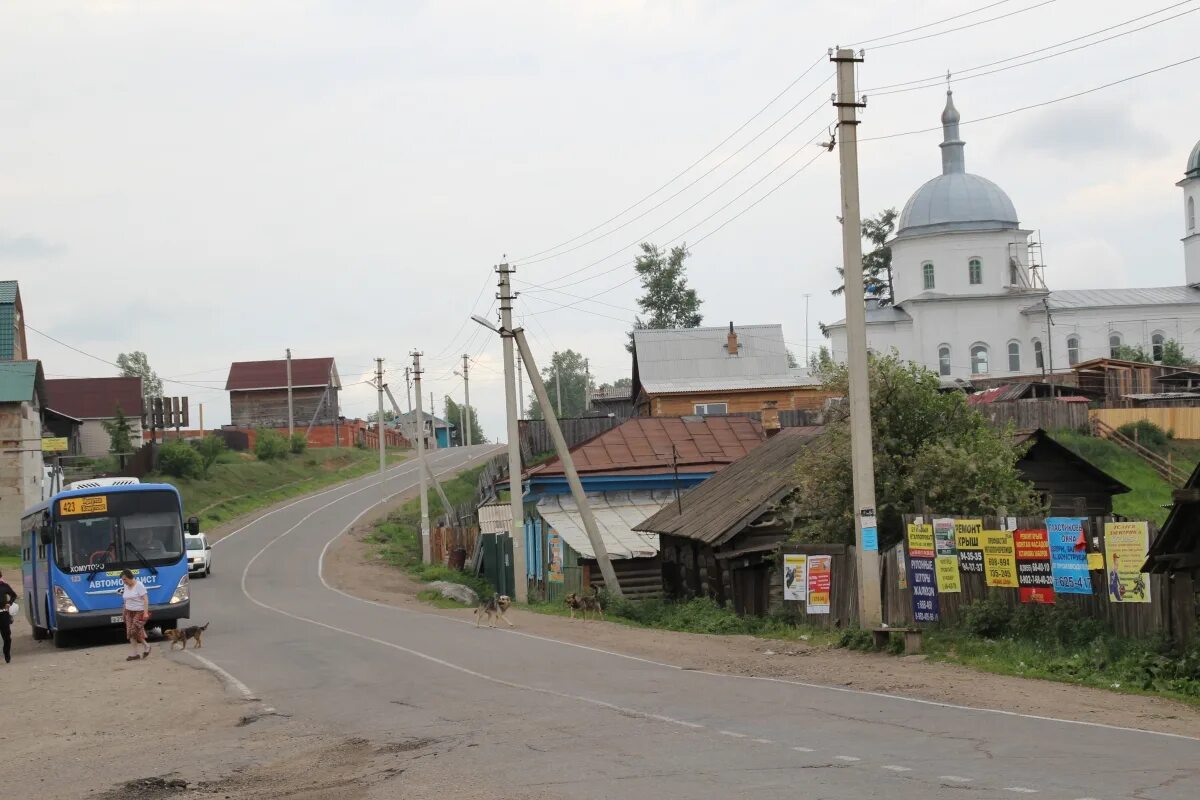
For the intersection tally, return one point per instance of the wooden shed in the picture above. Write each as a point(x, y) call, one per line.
point(1070, 484)
point(258, 392)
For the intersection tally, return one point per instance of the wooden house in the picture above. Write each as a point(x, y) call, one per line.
point(1070, 484)
point(258, 392)
point(94, 403)
point(1175, 552)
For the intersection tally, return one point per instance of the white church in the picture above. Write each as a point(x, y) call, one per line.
point(970, 303)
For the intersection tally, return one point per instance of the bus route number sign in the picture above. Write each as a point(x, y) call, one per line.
point(74, 506)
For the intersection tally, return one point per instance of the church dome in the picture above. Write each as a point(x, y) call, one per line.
point(956, 200)
point(1193, 165)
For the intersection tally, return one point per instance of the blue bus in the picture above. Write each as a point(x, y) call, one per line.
point(75, 545)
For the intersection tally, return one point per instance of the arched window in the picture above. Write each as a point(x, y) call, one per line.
point(1038, 358)
point(975, 271)
point(927, 272)
point(944, 360)
point(979, 359)
point(1157, 340)
point(1072, 350)
point(1014, 356)
point(1114, 344)
point(1191, 213)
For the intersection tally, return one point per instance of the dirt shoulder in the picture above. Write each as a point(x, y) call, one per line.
point(349, 565)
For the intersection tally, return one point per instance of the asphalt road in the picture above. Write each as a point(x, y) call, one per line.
point(578, 722)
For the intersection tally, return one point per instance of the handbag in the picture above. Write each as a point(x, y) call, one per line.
point(13, 610)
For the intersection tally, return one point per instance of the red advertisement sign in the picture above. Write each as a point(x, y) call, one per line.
point(1034, 571)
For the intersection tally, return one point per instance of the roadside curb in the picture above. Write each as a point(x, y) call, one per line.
point(231, 684)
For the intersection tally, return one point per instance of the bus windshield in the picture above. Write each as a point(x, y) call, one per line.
point(133, 529)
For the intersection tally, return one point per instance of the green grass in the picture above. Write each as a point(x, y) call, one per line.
point(239, 483)
point(1149, 492)
point(10, 558)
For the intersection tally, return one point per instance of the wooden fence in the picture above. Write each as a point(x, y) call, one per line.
point(1172, 610)
point(1047, 414)
point(535, 435)
point(843, 586)
point(443, 541)
point(1182, 421)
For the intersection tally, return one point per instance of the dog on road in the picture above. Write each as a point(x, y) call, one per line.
point(494, 608)
point(180, 636)
point(585, 605)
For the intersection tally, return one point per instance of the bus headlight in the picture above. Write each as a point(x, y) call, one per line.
point(182, 591)
point(63, 603)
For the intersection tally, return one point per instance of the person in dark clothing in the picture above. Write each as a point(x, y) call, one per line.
point(7, 598)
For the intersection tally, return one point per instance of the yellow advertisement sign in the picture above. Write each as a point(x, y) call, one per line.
point(55, 444)
point(999, 559)
point(1125, 546)
point(1095, 561)
point(947, 574)
point(920, 539)
point(73, 506)
point(969, 535)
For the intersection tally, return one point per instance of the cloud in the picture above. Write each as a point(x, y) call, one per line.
point(25, 247)
point(1085, 131)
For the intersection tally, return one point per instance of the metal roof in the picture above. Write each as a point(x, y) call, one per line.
point(20, 381)
point(879, 314)
point(1193, 162)
point(410, 418)
point(679, 355)
point(1067, 299)
point(307, 373)
point(8, 292)
point(95, 398)
point(495, 518)
point(794, 378)
point(728, 501)
point(616, 513)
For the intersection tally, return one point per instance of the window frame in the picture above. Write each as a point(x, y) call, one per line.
point(706, 413)
point(975, 271)
point(1013, 343)
point(945, 368)
point(1039, 354)
point(1158, 342)
point(1074, 345)
point(1112, 349)
point(928, 276)
point(987, 358)
point(1191, 214)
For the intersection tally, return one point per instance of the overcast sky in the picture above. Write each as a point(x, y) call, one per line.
point(212, 182)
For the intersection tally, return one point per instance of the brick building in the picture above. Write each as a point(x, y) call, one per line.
point(258, 393)
point(22, 397)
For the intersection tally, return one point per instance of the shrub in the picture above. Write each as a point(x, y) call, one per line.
point(856, 639)
point(210, 449)
point(299, 443)
point(1147, 434)
point(988, 618)
point(179, 459)
point(270, 445)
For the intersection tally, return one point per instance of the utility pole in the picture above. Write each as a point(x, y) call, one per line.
point(379, 427)
point(466, 436)
point(557, 387)
point(434, 443)
point(416, 374)
point(870, 611)
point(408, 386)
point(807, 354)
point(520, 388)
point(515, 484)
point(202, 419)
point(1048, 362)
point(291, 416)
point(461, 429)
point(587, 387)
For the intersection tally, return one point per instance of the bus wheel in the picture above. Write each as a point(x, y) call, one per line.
point(63, 639)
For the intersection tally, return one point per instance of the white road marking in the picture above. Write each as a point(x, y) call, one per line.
point(896, 768)
point(764, 741)
point(804, 750)
point(733, 734)
point(954, 778)
point(1020, 790)
point(848, 759)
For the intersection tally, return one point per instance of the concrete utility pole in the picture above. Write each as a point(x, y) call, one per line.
point(520, 388)
point(557, 388)
point(202, 419)
point(587, 386)
point(870, 611)
point(466, 436)
point(291, 416)
point(416, 373)
point(461, 429)
point(379, 425)
point(807, 355)
point(564, 455)
point(516, 488)
point(408, 386)
point(434, 444)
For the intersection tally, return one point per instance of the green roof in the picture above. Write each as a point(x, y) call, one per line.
point(8, 292)
point(20, 381)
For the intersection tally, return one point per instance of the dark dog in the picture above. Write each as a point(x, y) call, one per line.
point(180, 636)
point(493, 608)
point(584, 605)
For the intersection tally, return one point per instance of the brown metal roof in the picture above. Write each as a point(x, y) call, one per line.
point(644, 444)
point(95, 398)
point(306, 373)
point(727, 502)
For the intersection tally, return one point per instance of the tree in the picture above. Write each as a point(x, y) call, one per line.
point(210, 449)
point(877, 262)
point(1128, 352)
point(619, 383)
point(120, 434)
point(136, 365)
point(270, 445)
point(928, 445)
point(567, 366)
point(180, 459)
point(388, 416)
point(668, 301)
point(1173, 355)
point(454, 413)
point(820, 362)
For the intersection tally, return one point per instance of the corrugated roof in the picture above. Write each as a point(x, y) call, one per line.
point(879, 315)
point(306, 373)
point(793, 378)
point(727, 502)
point(667, 356)
point(616, 513)
point(495, 518)
point(20, 381)
point(1066, 299)
point(95, 398)
point(644, 443)
point(410, 418)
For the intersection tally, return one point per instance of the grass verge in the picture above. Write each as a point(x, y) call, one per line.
point(1149, 491)
point(10, 558)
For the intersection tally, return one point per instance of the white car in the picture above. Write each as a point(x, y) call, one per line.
point(199, 554)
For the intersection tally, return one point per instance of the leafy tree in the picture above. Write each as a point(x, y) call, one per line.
point(567, 366)
point(180, 459)
point(876, 262)
point(1173, 355)
point(454, 414)
point(668, 300)
point(297, 443)
point(820, 362)
point(927, 444)
point(619, 383)
point(388, 416)
point(136, 365)
point(210, 449)
point(120, 434)
point(1128, 352)
point(270, 445)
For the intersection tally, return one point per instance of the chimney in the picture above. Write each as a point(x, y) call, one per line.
point(770, 417)
point(731, 342)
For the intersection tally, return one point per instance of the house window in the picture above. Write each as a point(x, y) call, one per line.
point(979, 359)
point(1191, 213)
point(1157, 340)
point(1114, 345)
point(975, 271)
point(944, 360)
point(711, 409)
point(1014, 357)
point(1072, 350)
point(927, 271)
point(1038, 358)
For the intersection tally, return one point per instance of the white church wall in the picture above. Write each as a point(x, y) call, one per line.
point(1136, 326)
point(950, 255)
point(963, 324)
point(1191, 230)
point(882, 338)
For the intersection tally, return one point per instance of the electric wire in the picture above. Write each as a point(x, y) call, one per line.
point(963, 27)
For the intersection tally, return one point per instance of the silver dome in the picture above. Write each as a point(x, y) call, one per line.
point(1193, 165)
point(956, 200)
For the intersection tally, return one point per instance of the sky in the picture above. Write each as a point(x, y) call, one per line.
point(216, 182)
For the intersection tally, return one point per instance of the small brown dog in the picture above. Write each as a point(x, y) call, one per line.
point(584, 605)
point(180, 636)
point(493, 608)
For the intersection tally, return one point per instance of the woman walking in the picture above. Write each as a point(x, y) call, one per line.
point(137, 611)
point(7, 598)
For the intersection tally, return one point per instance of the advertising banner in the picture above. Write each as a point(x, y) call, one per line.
point(1125, 545)
point(1034, 576)
point(795, 577)
point(999, 559)
point(968, 537)
point(1068, 555)
point(922, 573)
point(820, 583)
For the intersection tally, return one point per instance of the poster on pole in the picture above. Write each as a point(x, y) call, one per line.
point(795, 577)
point(999, 559)
point(901, 568)
point(1034, 576)
point(554, 557)
point(820, 583)
point(922, 573)
point(968, 537)
point(1068, 555)
point(1125, 545)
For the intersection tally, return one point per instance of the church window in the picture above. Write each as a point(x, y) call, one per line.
point(1114, 345)
point(979, 359)
point(1157, 340)
point(975, 270)
point(1038, 358)
point(927, 272)
point(944, 360)
point(1191, 213)
point(1072, 350)
point(1014, 356)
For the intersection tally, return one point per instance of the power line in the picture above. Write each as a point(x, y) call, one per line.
point(931, 24)
point(963, 27)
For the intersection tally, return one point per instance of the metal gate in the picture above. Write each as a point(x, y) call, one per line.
point(496, 550)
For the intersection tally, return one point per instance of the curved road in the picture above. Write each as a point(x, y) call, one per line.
point(572, 721)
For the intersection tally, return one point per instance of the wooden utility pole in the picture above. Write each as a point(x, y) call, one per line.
point(515, 484)
point(380, 428)
point(291, 415)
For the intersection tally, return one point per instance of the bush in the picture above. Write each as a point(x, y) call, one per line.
point(270, 445)
point(1147, 434)
point(299, 443)
point(988, 619)
point(210, 449)
point(179, 459)
point(856, 639)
